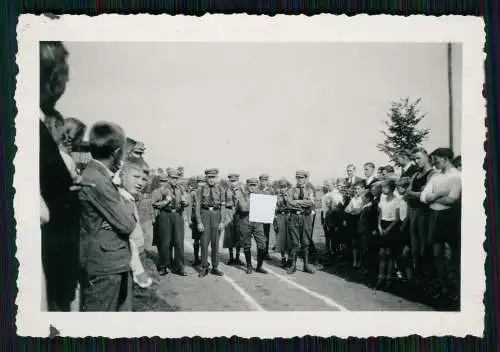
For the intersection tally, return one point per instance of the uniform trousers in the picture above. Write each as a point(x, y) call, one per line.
point(210, 236)
point(267, 231)
point(282, 242)
point(232, 234)
point(171, 235)
point(249, 229)
point(108, 293)
point(300, 232)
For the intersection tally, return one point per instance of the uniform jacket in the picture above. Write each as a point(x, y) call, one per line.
point(178, 197)
point(307, 204)
point(266, 190)
point(104, 251)
point(243, 202)
point(232, 194)
point(203, 199)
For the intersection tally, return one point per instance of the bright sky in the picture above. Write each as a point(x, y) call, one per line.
point(254, 108)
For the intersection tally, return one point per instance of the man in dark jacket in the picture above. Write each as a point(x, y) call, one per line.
point(408, 168)
point(106, 224)
point(60, 235)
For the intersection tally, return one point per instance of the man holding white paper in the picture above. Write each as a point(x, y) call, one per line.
point(249, 229)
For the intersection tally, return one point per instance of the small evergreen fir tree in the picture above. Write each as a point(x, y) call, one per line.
point(402, 132)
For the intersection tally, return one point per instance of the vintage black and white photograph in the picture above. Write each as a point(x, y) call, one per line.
point(238, 176)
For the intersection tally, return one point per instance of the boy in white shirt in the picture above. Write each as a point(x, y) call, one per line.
point(133, 180)
point(403, 258)
point(353, 210)
point(442, 193)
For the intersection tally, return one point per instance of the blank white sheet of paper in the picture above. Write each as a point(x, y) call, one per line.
point(262, 208)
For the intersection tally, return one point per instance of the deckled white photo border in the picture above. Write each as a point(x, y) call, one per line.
point(31, 29)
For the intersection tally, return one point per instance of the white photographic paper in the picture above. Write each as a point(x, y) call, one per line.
point(262, 208)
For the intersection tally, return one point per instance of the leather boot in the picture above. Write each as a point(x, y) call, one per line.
point(163, 270)
point(248, 258)
point(260, 260)
point(293, 264)
point(307, 267)
point(197, 260)
point(237, 260)
point(203, 272)
point(231, 257)
point(284, 262)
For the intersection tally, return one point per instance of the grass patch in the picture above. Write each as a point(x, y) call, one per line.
point(146, 300)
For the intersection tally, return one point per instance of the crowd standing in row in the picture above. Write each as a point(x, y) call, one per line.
point(387, 226)
point(94, 222)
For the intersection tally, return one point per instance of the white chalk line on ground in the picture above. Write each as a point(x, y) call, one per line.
point(328, 301)
point(246, 296)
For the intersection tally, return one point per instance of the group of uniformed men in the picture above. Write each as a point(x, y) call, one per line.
point(211, 209)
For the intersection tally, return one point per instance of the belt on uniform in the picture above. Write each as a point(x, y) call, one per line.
point(172, 210)
point(229, 207)
point(282, 212)
point(243, 213)
point(210, 208)
point(301, 212)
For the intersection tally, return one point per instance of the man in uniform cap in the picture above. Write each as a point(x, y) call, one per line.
point(180, 169)
point(196, 183)
point(265, 188)
point(170, 200)
point(250, 229)
point(313, 251)
point(209, 201)
point(232, 233)
point(300, 200)
point(281, 223)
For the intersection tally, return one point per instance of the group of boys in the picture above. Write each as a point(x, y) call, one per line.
point(390, 224)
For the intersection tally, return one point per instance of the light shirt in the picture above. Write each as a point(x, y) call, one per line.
point(388, 208)
point(449, 182)
point(332, 199)
point(70, 163)
point(403, 208)
point(370, 179)
point(137, 236)
point(117, 179)
point(355, 203)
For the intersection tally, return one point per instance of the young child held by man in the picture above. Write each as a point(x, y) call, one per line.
point(133, 180)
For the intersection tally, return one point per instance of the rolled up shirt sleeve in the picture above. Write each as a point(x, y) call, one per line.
point(426, 191)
